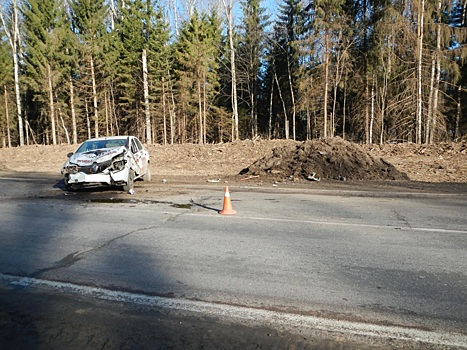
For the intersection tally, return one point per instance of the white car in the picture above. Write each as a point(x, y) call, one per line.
point(115, 160)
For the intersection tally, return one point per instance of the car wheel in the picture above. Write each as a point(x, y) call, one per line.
point(147, 176)
point(69, 186)
point(130, 182)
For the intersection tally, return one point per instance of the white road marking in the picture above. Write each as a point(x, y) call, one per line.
point(287, 321)
point(337, 223)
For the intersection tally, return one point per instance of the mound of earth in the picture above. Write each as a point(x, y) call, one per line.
point(332, 158)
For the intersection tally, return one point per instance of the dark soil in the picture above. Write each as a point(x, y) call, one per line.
point(325, 159)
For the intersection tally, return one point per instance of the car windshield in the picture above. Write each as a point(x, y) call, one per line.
point(91, 145)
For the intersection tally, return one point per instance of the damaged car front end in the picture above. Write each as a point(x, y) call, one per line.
point(114, 161)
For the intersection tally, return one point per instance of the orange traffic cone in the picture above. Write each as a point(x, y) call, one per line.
point(227, 210)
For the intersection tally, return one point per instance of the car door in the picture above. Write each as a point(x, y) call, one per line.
point(140, 155)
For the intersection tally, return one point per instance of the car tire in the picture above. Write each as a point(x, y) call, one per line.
point(147, 176)
point(68, 186)
point(130, 182)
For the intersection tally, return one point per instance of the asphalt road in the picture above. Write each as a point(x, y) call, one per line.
point(385, 257)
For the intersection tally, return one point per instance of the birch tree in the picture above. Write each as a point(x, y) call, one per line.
point(11, 25)
point(228, 8)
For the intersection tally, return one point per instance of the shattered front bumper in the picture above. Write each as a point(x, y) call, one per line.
point(111, 178)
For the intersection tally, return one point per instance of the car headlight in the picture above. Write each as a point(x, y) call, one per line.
point(118, 163)
point(72, 169)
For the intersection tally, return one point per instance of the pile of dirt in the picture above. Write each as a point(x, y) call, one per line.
point(332, 158)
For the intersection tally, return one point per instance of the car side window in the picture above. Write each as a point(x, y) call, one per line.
point(138, 143)
point(134, 146)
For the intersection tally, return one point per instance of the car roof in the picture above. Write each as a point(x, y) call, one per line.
point(110, 138)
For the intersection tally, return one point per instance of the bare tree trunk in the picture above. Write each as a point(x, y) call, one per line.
point(286, 120)
point(204, 110)
point(146, 98)
point(113, 114)
point(437, 77)
point(233, 73)
point(372, 110)
point(334, 106)
point(200, 111)
point(172, 113)
point(344, 113)
point(270, 109)
point(107, 111)
point(387, 71)
point(73, 112)
point(164, 113)
point(173, 6)
point(309, 132)
point(420, 32)
point(94, 98)
point(430, 116)
point(367, 112)
point(88, 122)
point(458, 113)
point(13, 35)
point(28, 128)
point(64, 127)
point(51, 105)
point(7, 115)
point(326, 82)
point(292, 95)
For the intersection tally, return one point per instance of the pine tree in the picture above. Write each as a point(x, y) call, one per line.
point(88, 22)
point(143, 66)
point(160, 77)
point(458, 20)
point(196, 53)
point(44, 22)
point(250, 60)
point(326, 23)
point(290, 26)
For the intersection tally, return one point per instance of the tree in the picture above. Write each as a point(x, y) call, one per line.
point(196, 53)
point(251, 49)
point(6, 83)
point(143, 65)
point(287, 59)
point(11, 26)
point(160, 76)
point(44, 22)
point(327, 20)
point(88, 22)
point(228, 7)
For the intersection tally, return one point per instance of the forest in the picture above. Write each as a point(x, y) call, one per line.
point(185, 71)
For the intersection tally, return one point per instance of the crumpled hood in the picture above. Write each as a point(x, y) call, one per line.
point(96, 156)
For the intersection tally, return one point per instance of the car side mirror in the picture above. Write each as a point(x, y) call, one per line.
point(69, 154)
